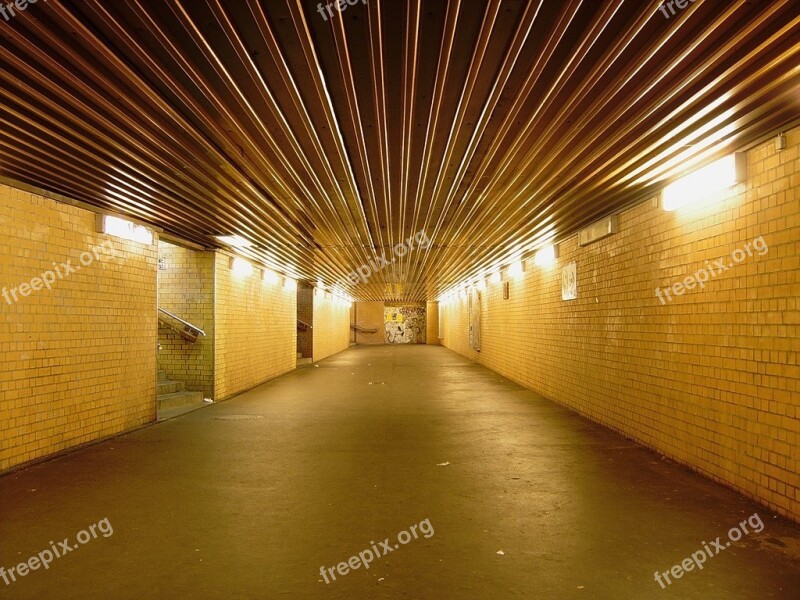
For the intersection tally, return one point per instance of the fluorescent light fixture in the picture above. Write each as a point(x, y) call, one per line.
point(271, 277)
point(546, 256)
point(126, 230)
point(516, 269)
point(241, 267)
point(290, 284)
point(706, 183)
point(236, 241)
point(598, 230)
point(495, 277)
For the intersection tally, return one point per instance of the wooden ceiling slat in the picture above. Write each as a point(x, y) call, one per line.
point(518, 204)
point(494, 127)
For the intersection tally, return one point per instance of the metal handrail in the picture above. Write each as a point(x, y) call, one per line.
point(177, 318)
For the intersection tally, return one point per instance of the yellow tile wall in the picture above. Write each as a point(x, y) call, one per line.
point(432, 323)
point(77, 361)
point(331, 326)
point(255, 330)
point(186, 289)
point(369, 315)
point(710, 379)
point(352, 324)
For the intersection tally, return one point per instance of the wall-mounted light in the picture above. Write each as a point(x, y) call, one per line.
point(495, 277)
point(290, 284)
point(598, 230)
point(127, 230)
point(706, 183)
point(516, 269)
point(480, 283)
point(241, 267)
point(236, 241)
point(546, 256)
point(271, 277)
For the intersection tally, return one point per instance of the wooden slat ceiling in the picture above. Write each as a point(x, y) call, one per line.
point(492, 125)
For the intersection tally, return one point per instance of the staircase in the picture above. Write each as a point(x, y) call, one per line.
point(174, 399)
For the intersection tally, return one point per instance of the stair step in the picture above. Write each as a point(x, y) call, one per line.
point(299, 355)
point(162, 376)
point(302, 362)
point(178, 399)
point(170, 387)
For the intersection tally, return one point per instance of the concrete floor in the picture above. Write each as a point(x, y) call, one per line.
point(213, 505)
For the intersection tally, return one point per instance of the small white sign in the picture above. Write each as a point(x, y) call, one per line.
point(569, 282)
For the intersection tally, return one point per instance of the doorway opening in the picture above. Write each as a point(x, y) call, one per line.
point(185, 329)
point(305, 324)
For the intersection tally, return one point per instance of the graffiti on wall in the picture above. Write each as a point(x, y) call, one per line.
point(404, 324)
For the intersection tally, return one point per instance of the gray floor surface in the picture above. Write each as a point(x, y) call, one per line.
point(512, 496)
